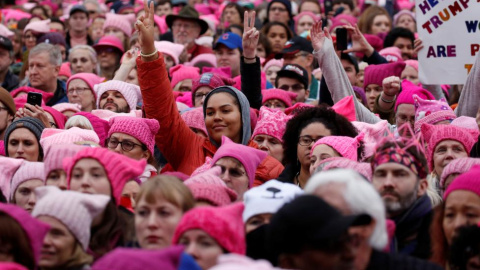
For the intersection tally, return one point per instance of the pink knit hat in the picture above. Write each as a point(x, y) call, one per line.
point(272, 123)
point(345, 146)
point(403, 12)
point(55, 154)
point(208, 58)
point(74, 209)
point(33, 228)
point(460, 166)
point(408, 90)
point(53, 136)
point(181, 72)
point(27, 171)
point(107, 114)
point(99, 125)
point(273, 62)
point(248, 156)
point(89, 78)
point(222, 71)
point(4, 31)
point(282, 95)
point(160, 22)
point(8, 167)
point(130, 92)
point(465, 122)
point(58, 117)
point(224, 224)
point(305, 13)
point(468, 181)
point(15, 14)
point(392, 54)
point(238, 262)
point(194, 119)
point(346, 108)
point(119, 168)
point(27, 89)
point(170, 48)
point(63, 107)
point(374, 74)
point(38, 27)
point(11, 266)
point(119, 22)
point(65, 70)
point(211, 80)
point(431, 112)
point(207, 186)
point(142, 129)
point(435, 134)
point(412, 63)
point(185, 98)
point(373, 134)
point(363, 168)
point(299, 106)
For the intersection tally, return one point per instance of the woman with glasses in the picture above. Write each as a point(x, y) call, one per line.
point(33, 31)
point(280, 11)
point(303, 130)
point(80, 90)
point(135, 138)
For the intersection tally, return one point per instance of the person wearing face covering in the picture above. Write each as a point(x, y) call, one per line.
point(226, 111)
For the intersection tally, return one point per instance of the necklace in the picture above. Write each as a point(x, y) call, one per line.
point(297, 180)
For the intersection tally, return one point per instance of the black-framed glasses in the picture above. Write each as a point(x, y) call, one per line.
point(127, 146)
point(79, 90)
point(306, 140)
point(233, 172)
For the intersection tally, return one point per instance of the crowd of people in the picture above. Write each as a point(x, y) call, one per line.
point(190, 134)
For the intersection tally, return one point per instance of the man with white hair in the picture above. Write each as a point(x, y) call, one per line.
point(352, 194)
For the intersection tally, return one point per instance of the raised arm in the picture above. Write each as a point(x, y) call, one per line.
point(250, 63)
point(469, 101)
point(174, 139)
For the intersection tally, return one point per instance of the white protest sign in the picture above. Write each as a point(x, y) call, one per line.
point(450, 31)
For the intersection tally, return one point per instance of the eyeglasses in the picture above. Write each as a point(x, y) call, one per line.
point(233, 172)
point(295, 87)
point(402, 119)
point(279, 9)
point(307, 140)
point(79, 90)
point(127, 146)
point(199, 96)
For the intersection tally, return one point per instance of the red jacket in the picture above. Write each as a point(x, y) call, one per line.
point(184, 150)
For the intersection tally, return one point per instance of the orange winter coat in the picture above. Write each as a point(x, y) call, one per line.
point(184, 150)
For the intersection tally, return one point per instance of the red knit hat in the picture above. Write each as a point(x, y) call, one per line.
point(469, 181)
point(224, 224)
point(374, 74)
point(207, 186)
point(435, 134)
point(142, 129)
point(119, 168)
point(282, 95)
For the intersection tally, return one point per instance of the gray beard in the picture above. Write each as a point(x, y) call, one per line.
point(403, 203)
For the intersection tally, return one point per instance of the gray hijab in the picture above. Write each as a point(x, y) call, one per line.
point(244, 110)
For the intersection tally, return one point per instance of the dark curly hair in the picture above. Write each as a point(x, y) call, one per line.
point(336, 123)
point(464, 246)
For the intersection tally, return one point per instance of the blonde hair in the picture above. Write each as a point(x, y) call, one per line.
point(78, 121)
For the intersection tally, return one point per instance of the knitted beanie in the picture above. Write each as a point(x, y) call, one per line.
point(180, 72)
point(465, 122)
point(171, 258)
point(27, 171)
point(431, 112)
point(57, 116)
point(55, 154)
point(53, 38)
point(107, 114)
point(272, 123)
point(298, 107)
point(15, 14)
point(160, 22)
point(73, 209)
point(284, 96)
point(119, 22)
point(38, 27)
point(194, 119)
point(460, 166)
point(89, 78)
point(185, 98)
point(204, 58)
point(297, 18)
point(142, 129)
point(65, 70)
point(373, 134)
point(222, 71)
point(32, 124)
point(435, 134)
point(130, 92)
point(224, 224)
point(248, 156)
point(268, 198)
point(273, 62)
point(27, 89)
point(392, 54)
point(64, 107)
point(99, 125)
point(11, 266)
point(374, 74)
point(119, 168)
point(207, 186)
point(402, 12)
point(363, 168)
point(8, 167)
point(346, 108)
point(408, 90)
point(412, 63)
point(53, 136)
point(469, 181)
point(7, 101)
point(5, 32)
point(345, 146)
point(211, 80)
point(34, 229)
point(171, 49)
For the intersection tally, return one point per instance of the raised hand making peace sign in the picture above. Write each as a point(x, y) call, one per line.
point(145, 27)
point(250, 36)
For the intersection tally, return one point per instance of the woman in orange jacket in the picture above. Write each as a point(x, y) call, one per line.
point(226, 110)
